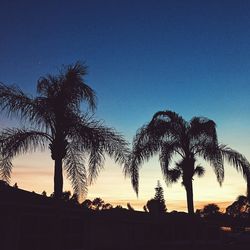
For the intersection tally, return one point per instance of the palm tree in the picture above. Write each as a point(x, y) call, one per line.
point(56, 120)
point(170, 135)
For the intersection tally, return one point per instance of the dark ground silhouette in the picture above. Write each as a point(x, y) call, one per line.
point(32, 221)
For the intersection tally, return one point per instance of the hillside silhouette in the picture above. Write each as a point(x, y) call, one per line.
point(33, 221)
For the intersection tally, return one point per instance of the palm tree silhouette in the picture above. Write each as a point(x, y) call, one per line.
point(169, 135)
point(55, 119)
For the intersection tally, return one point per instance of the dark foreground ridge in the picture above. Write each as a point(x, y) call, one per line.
point(32, 221)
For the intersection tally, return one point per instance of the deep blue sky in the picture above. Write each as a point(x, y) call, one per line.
point(192, 57)
point(189, 56)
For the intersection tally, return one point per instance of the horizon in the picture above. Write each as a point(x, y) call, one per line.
point(191, 58)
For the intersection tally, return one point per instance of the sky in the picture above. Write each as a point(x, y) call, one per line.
point(191, 57)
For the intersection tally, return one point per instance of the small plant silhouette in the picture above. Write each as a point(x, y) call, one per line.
point(157, 204)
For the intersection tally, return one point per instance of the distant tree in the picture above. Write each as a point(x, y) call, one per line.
point(66, 195)
point(129, 206)
point(15, 185)
point(106, 206)
point(159, 196)
point(119, 207)
point(198, 212)
point(168, 134)
point(87, 204)
point(157, 204)
point(97, 204)
point(210, 210)
point(174, 212)
point(240, 212)
point(74, 199)
point(44, 193)
point(240, 208)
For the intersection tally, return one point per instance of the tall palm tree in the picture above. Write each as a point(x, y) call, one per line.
point(55, 120)
point(170, 135)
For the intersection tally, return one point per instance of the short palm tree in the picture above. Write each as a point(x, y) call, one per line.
point(170, 135)
point(55, 120)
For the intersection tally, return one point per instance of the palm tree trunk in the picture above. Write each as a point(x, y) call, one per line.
point(58, 178)
point(190, 199)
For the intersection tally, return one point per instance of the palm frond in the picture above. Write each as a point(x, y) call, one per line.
point(199, 171)
point(210, 151)
point(114, 145)
point(131, 169)
point(170, 117)
point(74, 88)
point(144, 147)
point(96, 163)
point(48, 86)
point(173, 175)
point(167, 151)
point(201, 127)
point(18, 141)
point(236, 159)
point(5, 169)
point(75, 169)
point(168, 124)
point(14, 101)
point(97, 140)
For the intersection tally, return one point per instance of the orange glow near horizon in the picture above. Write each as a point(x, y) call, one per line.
point(34, 172)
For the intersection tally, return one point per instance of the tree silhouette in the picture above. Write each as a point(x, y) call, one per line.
point(240, 208)
point(159, 196)
point(157, 204)
point(97, 204)
point(169, 135)
point(210, 210)
point(44, 193)
point(87, 204)
point(106, 206)
point(152, 206)
point(15, 185)
point(66, 195)
point(55, 119)
point(74, 199)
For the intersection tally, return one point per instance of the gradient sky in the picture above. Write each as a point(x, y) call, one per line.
point(192, 57)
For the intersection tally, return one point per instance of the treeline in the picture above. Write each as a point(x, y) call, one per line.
point(239, 209)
